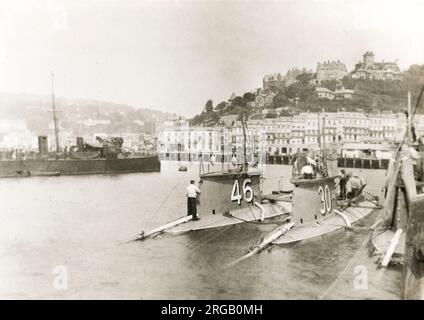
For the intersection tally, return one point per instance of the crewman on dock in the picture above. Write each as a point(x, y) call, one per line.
point(191, 192)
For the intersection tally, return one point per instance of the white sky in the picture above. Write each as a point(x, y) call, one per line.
point(174, 55)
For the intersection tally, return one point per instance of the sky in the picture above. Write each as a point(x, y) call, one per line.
point(175, 55)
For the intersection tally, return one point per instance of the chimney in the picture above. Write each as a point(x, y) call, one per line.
point(42, 145)
point(80, 143)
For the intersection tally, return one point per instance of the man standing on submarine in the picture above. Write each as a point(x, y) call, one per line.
point(191, 192)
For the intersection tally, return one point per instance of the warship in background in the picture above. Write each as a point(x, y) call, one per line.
point(103, 157)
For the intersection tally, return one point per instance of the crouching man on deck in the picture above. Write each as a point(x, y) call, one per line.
point(191, 192)
point(355, 185)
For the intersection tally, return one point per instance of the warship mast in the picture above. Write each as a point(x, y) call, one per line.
point(55, 120)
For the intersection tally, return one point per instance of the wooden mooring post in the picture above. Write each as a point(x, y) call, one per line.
point(413, 260)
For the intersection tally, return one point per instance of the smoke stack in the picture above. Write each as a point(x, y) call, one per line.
point(42, 145)
point(80, 143)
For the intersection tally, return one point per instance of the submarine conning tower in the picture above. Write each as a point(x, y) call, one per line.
point(226, 191)
point(313, 199)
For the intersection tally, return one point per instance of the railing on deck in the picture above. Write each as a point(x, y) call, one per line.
point(216, 167)
point(221, 167)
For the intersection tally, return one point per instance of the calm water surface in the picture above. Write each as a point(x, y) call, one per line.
point(76, 222)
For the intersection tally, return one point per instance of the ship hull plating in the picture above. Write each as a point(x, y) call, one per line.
point(20, 168)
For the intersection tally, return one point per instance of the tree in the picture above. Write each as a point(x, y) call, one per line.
point(209, 106)
point(300, 90)
point(280, 100)
point(348, 82)
point(304, 77)
point(214, 117)
point(249, 97)
point(220, 106)
point(330, 84)
point(242, 114)
point(239, 101)
point(198, 119)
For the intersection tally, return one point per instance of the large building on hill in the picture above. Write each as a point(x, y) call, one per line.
point(273, 81)
point(293, 73)
point(338, 94)
point(330, 70)
point(369, 69)
point(277, 81)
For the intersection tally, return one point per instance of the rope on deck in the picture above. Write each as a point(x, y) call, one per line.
point(229, 215)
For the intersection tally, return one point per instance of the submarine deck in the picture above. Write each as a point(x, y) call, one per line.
point(327, 225)
point(237, 216)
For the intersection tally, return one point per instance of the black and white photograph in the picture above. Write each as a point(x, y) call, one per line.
point(211, 150)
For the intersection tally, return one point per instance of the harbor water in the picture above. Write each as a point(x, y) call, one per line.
point(73, 227)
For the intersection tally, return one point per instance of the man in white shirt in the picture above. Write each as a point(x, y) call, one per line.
point(234, 160)
point(307, 172)
point(191, 192)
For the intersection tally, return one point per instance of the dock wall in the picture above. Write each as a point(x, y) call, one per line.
point(285, 160)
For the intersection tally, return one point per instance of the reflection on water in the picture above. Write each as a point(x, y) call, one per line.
point(76, 222)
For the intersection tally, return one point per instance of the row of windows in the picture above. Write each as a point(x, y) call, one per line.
point(355, 130)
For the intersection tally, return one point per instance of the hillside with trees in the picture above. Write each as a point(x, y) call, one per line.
point(369, 96)
point(36, 111)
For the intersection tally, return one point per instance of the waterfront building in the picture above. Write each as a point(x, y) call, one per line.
point(382, 127)
point(277, 134)
point(331, 133)
point(297, 136)
point(372, 133)
point(418, 123)
point(24, 140)
point(255, 139)
point(367, 150)
point(181, 140)
point(353, 126)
